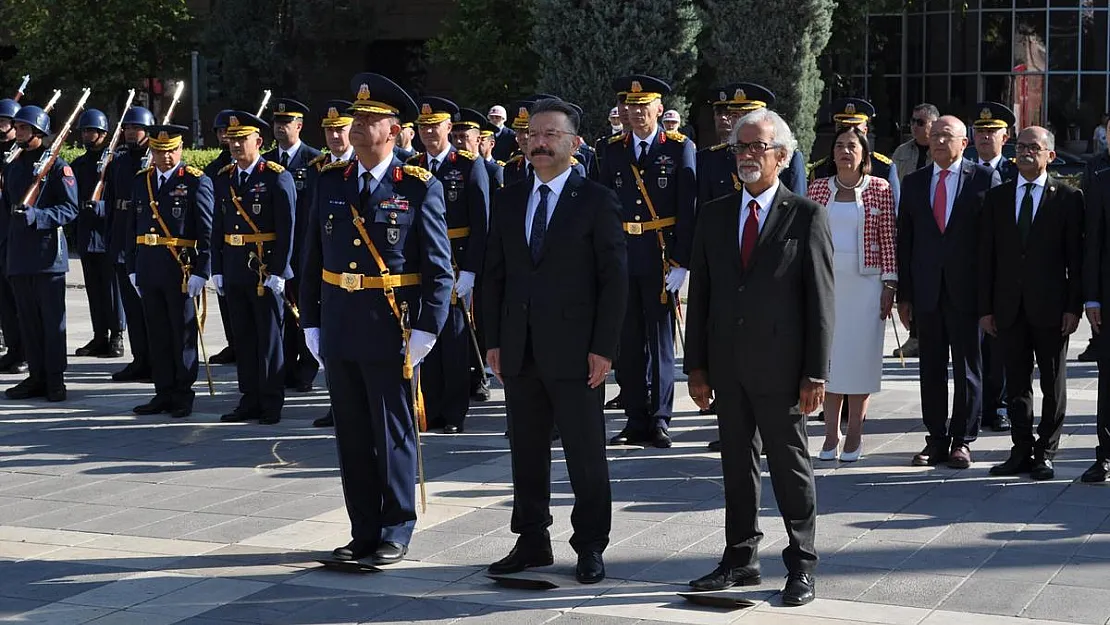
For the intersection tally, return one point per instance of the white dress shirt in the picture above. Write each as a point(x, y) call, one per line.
point(764, 200)
point(161, 178)
point(239, 171)
point(377, 172)
point(346, 156)
point(556, 185)
point(441, 158)
point(637, 139)
point(951, 184)
point(1038, 193)
point(291, 152)
point(993, 163)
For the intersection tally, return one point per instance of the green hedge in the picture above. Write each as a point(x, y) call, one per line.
point(196, 158)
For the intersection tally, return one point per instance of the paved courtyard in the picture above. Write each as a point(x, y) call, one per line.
point(110, 518)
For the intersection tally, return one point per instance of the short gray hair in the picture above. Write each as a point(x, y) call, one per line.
point(929, 110)
point(784, 138)
point(1046, 134)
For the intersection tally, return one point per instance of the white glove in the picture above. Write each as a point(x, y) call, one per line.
point(276, 284)
point(218, 280)
point(465, 284)
point(420, 345)
point(676, 277)
point(312, 342)
point(134, 283)
point(196, 285)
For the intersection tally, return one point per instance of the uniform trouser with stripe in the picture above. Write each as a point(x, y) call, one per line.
point(40, 299)
point(646, 359)
point(103, 293)
point(259, 357)
point(300, 365)
point(172, 334)
point(446, 372)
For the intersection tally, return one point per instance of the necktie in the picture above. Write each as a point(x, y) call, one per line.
point(161, 181)
point(367, 181)
point(434, 167)
point(641, 160)
point(751, 234)
point(284, 159)
point(940, 201)
point(1025, 215)
point(243, 180)
point(539, 225)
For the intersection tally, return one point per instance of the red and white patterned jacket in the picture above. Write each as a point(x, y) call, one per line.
point(875, 203)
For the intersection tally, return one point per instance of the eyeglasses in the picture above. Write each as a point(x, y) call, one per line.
point(755, 148)
point(1031, 148)
point(548, 135)
point(944, 136)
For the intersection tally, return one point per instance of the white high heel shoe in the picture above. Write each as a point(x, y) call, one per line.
point(852, 456)
point(828, 454)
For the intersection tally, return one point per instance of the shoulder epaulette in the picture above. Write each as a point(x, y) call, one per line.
point(616, 138)
point(675, 135)
point(415, 158)
point(335, 165)
point(515, 159)
point(501, 163)
point(318, 159)
point(227, 168)
point(719, 146)
point(275, 167)
point(881, 158)
point(574, 161)
point(144, 171)
point(468, 155)
point(193, 171)
point(418, 172)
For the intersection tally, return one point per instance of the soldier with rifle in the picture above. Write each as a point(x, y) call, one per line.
point(12, 361)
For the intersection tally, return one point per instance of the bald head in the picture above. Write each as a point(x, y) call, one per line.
point(947, 140)
point(1036, 148)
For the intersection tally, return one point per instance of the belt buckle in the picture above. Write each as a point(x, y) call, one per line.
point(634, 228)
point(236, 240)
point(150, 239)
point(350, 282)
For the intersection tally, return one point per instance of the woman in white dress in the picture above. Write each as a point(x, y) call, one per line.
point(861, 218)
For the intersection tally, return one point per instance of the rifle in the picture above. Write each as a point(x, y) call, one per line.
point(42, 167)
point(109, 153)
point(165, 120)
point(265, 101)
point(16, 150)
point(22, 86)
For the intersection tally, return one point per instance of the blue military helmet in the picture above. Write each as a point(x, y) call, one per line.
point(8, 108)
point(34, 117)
point(138, 116)
point(93, 119)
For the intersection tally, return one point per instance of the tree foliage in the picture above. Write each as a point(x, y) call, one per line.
point(583, 45)
point(744, 40)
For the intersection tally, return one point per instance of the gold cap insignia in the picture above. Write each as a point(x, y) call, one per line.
point(281, 107)
point(426, 109)
point(741, 96)
point(233, 121)
point(363, 92)
point(523, 112)
point(722, 96)
point(636, 87)
point(163, 136)
point(850, 108)
point(333, 113)
point(985, 114)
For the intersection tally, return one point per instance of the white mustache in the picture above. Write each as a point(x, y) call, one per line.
point(749, 164)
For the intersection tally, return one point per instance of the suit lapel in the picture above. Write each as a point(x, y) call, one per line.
point(778, 214)
point(516, 217)
point(731, 232)
point(967, 170)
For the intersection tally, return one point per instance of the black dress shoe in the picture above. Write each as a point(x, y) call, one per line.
point(325, 421)
point(95, 347)
point(303, 387)
point(180, 412)
point(26, 389)
point(354, 550)
point(481, 393)
point(1042, 469)
point(590, 569)
point(1020, 461)
point(1088, 355)
point(799, 589)
point(452, 429)
point(1001, 424)
point(56, 394)
point(661, 439)
point(133, 372)
point(115, 347)
point(226, 356)
point(13, 365)
point(724, 577)
point(269, 419)
point(521, 558)
point(1097, 472)
point(615, 404)
point(629, 436)
point(389, 553)
point(238, 416)
point(154, 406)
point(714, 446)
point(712, 409)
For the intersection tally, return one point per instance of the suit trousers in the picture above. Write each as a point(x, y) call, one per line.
point(445, 373)
point(172, 326)
point(939, 331)
point(647, 356)
point(41, 301)
point(300, 365)
point(225, 321)
point(994, 378)
point(376, 439)
point(103, 293)
point(537, 403)
point(744, 418)
point(1024, 343)
point(133, 314)
point(9, 320)
point(259, 359)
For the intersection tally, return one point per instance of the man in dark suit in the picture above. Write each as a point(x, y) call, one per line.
point(1030, 295)
point(758, 334)
point(1096, 283)
point(938, 239)
point(555, 291)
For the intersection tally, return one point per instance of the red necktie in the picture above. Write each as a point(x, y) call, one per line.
point(751, 234)
point(940, 201)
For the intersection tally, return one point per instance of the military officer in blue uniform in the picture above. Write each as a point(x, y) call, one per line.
point(169, 260)
point(486, 142)
point(252, 249)
point(127, 161)
point(406, 144)
point(13, 361)
point(38, 257)
point(467, 134)
point(653, 173)
point(91, 239)
point(294, 155)
point(447, 373)
point(717, 166)
point(225, 356)
point(858, 112)
point(377, 268)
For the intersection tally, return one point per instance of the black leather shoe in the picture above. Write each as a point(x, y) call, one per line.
point(712, 409)
point(714, 446)
point(133, 372)
point(629, 436)
point(26, 389)
point(1088, 355)
point(452, 429)
point(1042, 469)
point(481, 393)
point(12, 365)
point(354, 550)
point(154, 406)
point(615, 404)
point(269, 420)
point(799, 589)
point(226, 356)
point(1020, 461)
point(325, 421)
point(180, 412)
point(389, 553)
point(661, 439)
point(590, 569)
point(238, 416)
point(724, 577)
point(95, 347)
point(1001, 424)
point(304, 387)
point(521, 558)
point(1097, 472)
point(56, 394)
point(115, 347)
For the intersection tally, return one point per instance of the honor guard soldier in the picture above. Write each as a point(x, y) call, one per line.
point(8, 109)
point(38, 257)
point(91, 239)
point(13, 361)
point(170, 260)
point(375, 293)
point(126, 163)
point(857, 112)
point(468, 133)
point(716, 164)
point(252, 244)
point(225, 356)
point(652, 171)
point(992, 125)
point(486, 142)
point(294, 155)
point(447, 372)
point(504, 138)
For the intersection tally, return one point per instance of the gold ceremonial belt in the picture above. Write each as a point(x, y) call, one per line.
point(640, 227)
point(352, 282)
point(238, 240)
point(156, 240)
point(458, 233)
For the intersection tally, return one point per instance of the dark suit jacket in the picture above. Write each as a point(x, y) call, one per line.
point(926, 257)
point(769, 326)
point(1043, 275)
point(1096, 257)
point(572, 301)
point(504, 144)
